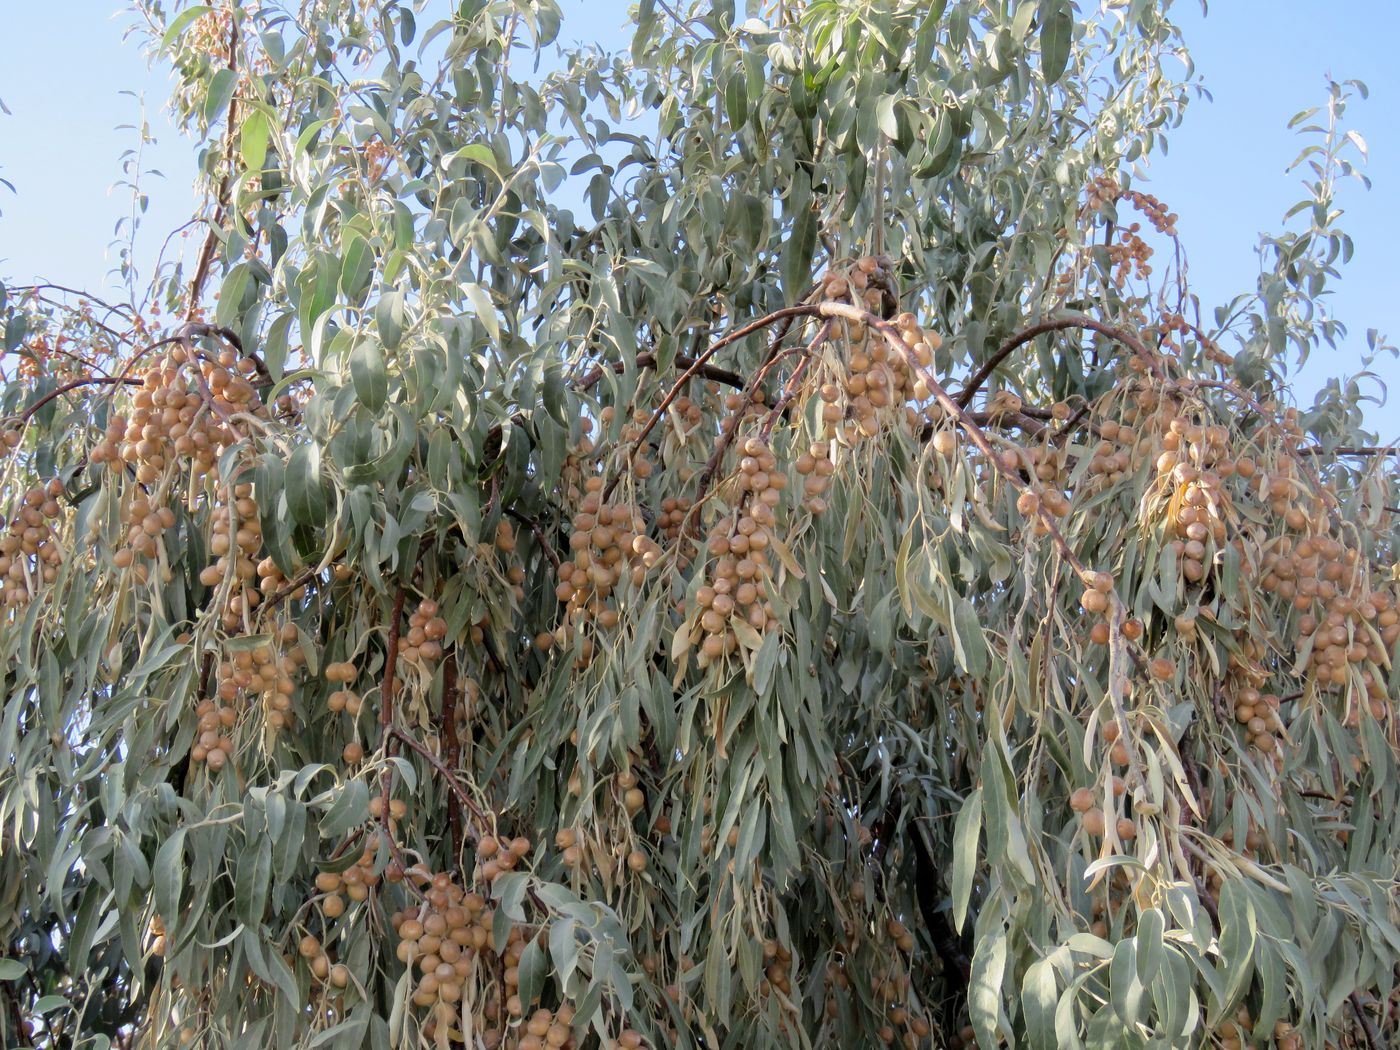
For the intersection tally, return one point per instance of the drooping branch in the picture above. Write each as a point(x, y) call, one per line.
point(790, 390)
point(648, 360)
point(892, 338)
point(28, 413)
point(534, 527)
point(1117, 613)
point(693, 370)
point(707, 475)
point(1058, 324)
point(462, 795)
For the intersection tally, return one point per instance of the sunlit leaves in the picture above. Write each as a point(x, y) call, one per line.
point(1056, 33)
point(896, 807)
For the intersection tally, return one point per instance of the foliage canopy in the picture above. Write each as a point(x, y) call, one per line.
point(746, 542)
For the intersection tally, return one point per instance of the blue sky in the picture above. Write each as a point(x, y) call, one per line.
point(65, 73)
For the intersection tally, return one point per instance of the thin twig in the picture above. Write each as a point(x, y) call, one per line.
point(534, 527)
point(683, 23)
point(287, 589)
point(1373, 1037)
point(463, 796)
point(28, 413)
point(21, 289)
point(648, 360)
point(1350, 450)
point(790, 390)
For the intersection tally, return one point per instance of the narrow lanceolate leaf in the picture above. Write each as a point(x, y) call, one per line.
point(253, 140)
point(389, 317)
point(221, 88)
point(797, 253)
point(1056, 37)
point(251, 883)
point(182, 20)
point(1238, 933)
point(984, 986)
point(966, 834)
point(1039, 995)
point(369, 374)
point(656, 646)
point(306, 492)
point(736, 99)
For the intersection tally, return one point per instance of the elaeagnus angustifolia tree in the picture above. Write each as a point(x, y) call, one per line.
point(743, 542)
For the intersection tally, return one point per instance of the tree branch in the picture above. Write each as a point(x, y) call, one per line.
point(463, 796)
point(386, 724)
point(1350, 450)
point(447, 732)
point(648, 360)
point(690, 372)
point(534, 527)
point(28, 413)
point(1373, 1037)
point(206, 251)
point(1004, 351)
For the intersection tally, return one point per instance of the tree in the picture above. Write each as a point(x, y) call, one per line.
point(738, 543)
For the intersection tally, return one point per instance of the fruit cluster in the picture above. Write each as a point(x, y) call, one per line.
point(213, 744)
point(1258, 714)
point(266, 673)
point(354, 882)
point(170, 420)
point(441, 938)
point(146, 525)
point(873, 387)
point(426, 630)
point(610, 547)
point(319, 962)
point(29, 550)
point(498, 856)
point(342, 673)
point(235, 540)
point(734, 600)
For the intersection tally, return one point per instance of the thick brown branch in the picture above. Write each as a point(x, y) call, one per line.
point(206, 251)
point(447, 732)
point(957, 965)
point(386, 724)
